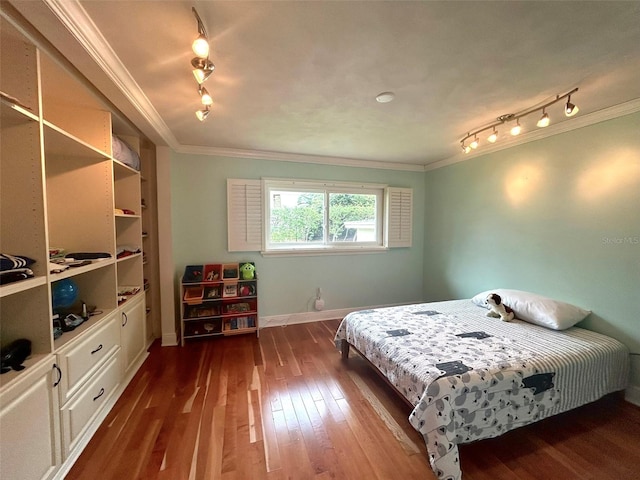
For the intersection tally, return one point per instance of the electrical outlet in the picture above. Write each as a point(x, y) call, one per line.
point(319, 304)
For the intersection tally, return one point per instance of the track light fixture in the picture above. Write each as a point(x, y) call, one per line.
point(202, 66)
point(202, 114)
point(544, 120)
point(516, 129)
point(569, 110)
point(204, 96)
point(200, 45)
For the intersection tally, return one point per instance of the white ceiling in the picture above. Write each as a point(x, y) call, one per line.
point(299, 79)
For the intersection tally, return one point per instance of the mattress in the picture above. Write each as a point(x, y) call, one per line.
point(471, 377)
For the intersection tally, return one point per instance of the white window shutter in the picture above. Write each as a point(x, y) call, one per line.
point(244, 215)
point(399, 217)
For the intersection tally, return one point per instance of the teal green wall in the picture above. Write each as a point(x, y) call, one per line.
point(288, 284)
point(559, 216)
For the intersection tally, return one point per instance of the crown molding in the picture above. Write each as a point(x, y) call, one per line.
point(298, 158)
point(76, 20)
point(574, 123)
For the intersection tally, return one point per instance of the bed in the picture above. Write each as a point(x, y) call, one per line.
point(469, 377)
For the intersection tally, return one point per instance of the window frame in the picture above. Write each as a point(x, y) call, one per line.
point(326, 188)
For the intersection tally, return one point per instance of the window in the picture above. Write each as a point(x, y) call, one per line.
point(303, 216)
point(292, 216)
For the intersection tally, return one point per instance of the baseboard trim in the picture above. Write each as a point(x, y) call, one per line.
point(169, 339)
point(632, 394)
point(307, 317)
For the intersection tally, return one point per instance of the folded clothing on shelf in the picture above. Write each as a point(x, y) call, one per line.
point(126, 250)
point(12, 262)
point(15, 275)
point(14, 268)
point(56, 267)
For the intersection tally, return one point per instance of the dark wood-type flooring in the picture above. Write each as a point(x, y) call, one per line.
point(285, 406)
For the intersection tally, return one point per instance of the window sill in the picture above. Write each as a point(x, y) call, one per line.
point(313, 252)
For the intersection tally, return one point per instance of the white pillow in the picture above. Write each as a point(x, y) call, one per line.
point(537, 309)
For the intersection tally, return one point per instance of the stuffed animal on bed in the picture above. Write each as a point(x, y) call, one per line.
point(497, 309)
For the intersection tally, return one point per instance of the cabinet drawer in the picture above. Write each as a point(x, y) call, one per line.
point(90, 399)
point(79, 359)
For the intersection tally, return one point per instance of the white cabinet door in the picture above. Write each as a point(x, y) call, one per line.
point(132, 332)
point(29, 422)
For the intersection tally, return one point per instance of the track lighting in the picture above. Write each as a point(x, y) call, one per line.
point(516, 129)
point(544, 120)
point(202, 66)
point(204, 96)
point(569, 110)
point(200, 46)
point(202, 114)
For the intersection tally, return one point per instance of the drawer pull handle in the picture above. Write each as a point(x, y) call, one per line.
point(97, 349)
point(57, 382)
point(99, 394)
point(125, 319)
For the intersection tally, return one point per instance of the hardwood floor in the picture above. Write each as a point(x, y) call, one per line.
point(285, 406)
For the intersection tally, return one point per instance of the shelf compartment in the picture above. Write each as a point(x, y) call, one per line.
point(80, 204)
point(212, 293)
point(18, 68)
point(240, 324)
point(96, 287)
point(63, 143)
point(247, 288)
point(201, 328)
point(126, 188)
point(230, 271)
point(203, 310)
point(193, 274)
point(212, 273)
point(239, 307)
point(193, 295)
point(22, 210)
point(71, 105)
point(129, 270)
point(26, 314)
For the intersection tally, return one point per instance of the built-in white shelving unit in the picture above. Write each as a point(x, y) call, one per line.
point(61, 188)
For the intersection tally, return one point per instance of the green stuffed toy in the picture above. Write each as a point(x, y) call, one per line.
point(248, 271)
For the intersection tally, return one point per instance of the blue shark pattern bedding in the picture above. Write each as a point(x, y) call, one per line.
point(471, 377)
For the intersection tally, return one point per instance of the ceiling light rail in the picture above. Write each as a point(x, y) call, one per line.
point(202, 66)
point(570, 110)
